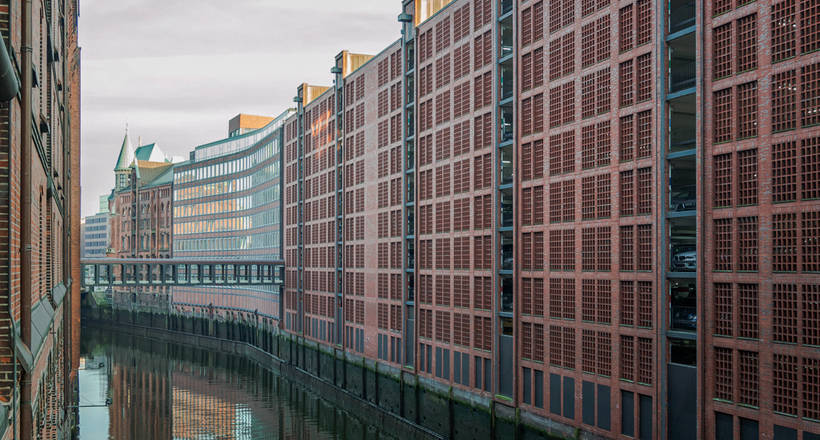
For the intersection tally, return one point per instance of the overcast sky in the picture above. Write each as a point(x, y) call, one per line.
point(177, 70)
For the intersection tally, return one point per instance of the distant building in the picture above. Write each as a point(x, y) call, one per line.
point(141, 208)
point(95, 235)
point(227, 206)
point(244, 123)
point(141, 213)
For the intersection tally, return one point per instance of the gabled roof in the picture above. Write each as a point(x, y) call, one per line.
point(149, 172)
point(150, 152)
point(166, 178)
point(126, 157)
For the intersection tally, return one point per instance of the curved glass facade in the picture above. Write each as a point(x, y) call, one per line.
point(227, 204)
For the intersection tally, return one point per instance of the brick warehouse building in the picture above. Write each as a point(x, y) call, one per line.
point(601, 212)
point(141, 204)
point(39, 218)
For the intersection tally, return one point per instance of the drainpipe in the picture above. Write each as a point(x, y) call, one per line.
point(26, 187)
point(8, 80)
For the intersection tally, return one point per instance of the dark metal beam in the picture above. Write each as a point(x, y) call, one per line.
point(180, 272)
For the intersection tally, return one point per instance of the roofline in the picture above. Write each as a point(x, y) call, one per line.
point(382, 52)
point(415, 12)
point(316, 98)
point(282, 116)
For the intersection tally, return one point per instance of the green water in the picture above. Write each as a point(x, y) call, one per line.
point(137, 388)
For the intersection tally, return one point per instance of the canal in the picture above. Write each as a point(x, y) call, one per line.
point(132, 387)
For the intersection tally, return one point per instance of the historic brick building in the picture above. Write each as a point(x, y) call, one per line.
point(141, 216)
point(601, 212)
point(39, 218)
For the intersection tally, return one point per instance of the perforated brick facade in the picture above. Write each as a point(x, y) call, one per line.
point(600, 212)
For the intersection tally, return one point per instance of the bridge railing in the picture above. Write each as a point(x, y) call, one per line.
point(144, 272)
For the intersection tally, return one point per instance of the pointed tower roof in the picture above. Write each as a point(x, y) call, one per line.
point(126, 157)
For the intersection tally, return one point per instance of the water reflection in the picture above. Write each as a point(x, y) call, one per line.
point(157, 390)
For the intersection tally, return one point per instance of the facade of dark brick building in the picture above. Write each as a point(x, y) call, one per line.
point(601, 212)
point(40, 219)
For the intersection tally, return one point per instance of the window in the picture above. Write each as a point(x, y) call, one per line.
point(784, 242)
point(627, 248)
point(747, 232)
point(747, 177)
point(723, 370)
point(722, 110)
point(628, 303)
point(644, 262)
point(810, 234)
point(747, 110)
point(783, 30)
point(644, 134)
point(627, 148)
point(627, 360)
point(627, 28)
point(723, 244)
point(747, 43)
point(723, 315)
point(627, 193)
point(722, 169)
point(643, 79)
point(644, 191)
point(785, 370)
point(810, 95)
point(748, 311)
point(627, 83)
point(785, 313)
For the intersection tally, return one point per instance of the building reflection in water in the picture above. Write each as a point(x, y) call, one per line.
point(169, 391)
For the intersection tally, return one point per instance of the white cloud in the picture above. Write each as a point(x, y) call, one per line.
point(177, 70)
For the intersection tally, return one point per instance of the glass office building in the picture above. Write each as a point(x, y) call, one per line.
point(227, 206)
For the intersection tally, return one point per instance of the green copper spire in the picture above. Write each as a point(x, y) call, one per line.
point(126, 156)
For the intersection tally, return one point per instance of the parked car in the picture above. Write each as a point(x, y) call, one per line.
point(684, 259)
point(683, 199)
point(685, 318)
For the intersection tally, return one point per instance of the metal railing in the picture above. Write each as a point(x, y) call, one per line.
point(145, 272)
